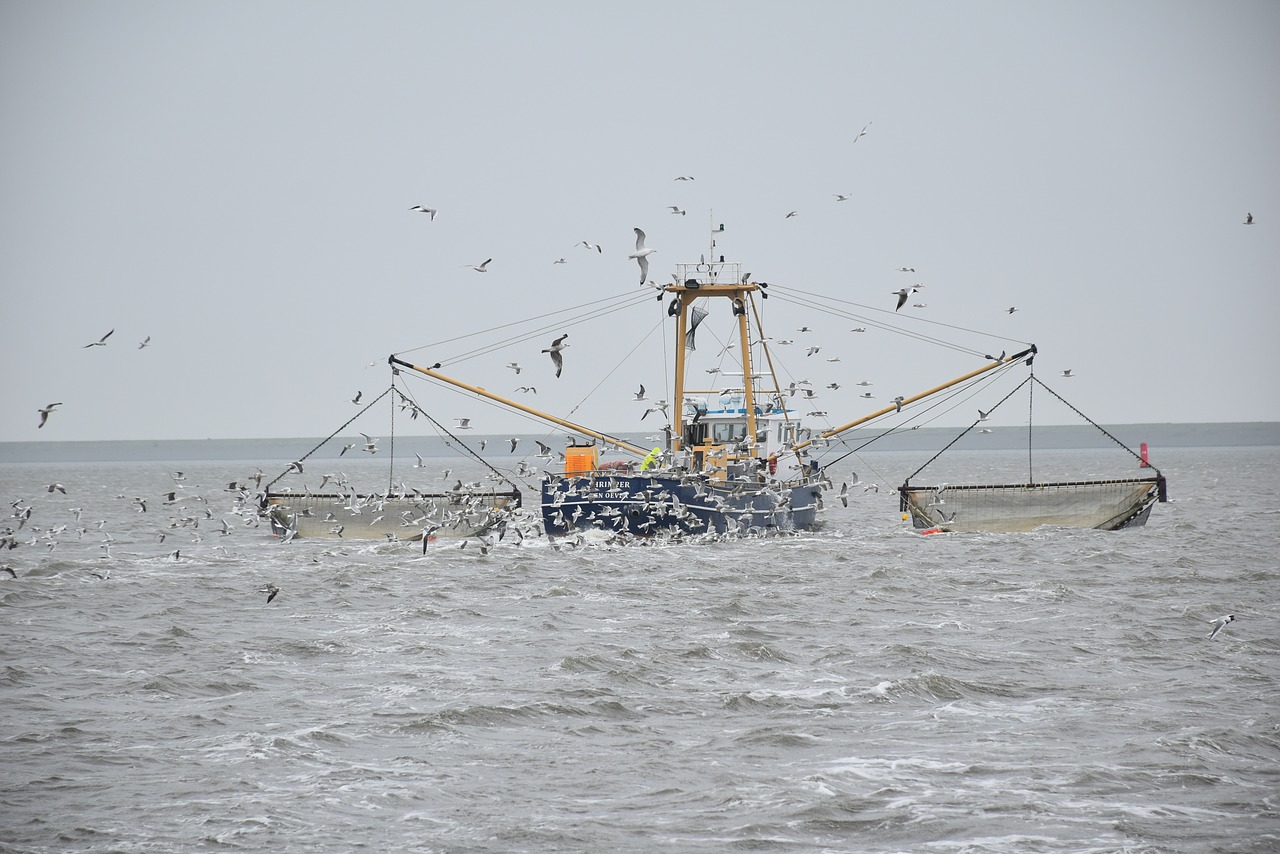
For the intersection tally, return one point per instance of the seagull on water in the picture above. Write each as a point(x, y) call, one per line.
point(425, 210)
point(44, 413)
point(641, 255)
point(557, 345)
point(101, 342)
point(480, 268)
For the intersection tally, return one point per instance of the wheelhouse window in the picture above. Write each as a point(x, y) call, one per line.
point(724, 432)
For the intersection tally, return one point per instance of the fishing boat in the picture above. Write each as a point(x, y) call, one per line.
point(735, 456)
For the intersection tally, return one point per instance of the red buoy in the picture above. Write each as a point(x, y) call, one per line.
point(1143, 450)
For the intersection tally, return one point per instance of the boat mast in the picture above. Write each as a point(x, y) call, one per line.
point(545, 416)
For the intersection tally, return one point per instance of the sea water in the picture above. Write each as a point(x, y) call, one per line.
point(857, 688)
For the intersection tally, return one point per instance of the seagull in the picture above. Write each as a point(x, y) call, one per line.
point(558, 344)
point(859, 329)
point(101, 342)
point(146, 342)
point(811, 350)
point(685, 178)
point(514, 442)
point(559, 261)
point(790, 215)
point(841, 197)
point(515, 366)
point(370, 443)
point(463, 424)
point(867, 395)
point(59, 487)
point(897, 402)
point(595, 246)
point(640, 393)
point(862, 132)
point(1248, 219)
point(864, 383)
point(1219, 624)
point(425, 210)
point(479, 268)
point(1067, 372)
point(1011, 309)
point(902, 293)
point(844, 494)
point(676, 210)
point(906, 269)
point(44, 413)
point(356, 399)
point(527, 389)
point(271, 590)
point(985, 430)
point(346, 448)
point(641, 255)
point(982, 416)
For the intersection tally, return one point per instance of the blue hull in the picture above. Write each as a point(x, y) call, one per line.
point(644, 506)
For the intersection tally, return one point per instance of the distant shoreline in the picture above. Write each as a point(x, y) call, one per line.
point(1049, 437)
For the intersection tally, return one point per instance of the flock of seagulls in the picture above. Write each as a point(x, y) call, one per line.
point(48, 408)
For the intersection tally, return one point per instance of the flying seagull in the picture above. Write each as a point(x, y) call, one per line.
point(676, 210)
point(684, 178)
point(841, 197)
point(862, 132)
point(558, 344)
point(356, 399)
point(101, 342)
point(463, 424)
point(146, 342)
point(479, 268)
point(595, 246)
point(641, 255)
point(903, 294)
point(982, 416)
point(559, 261)
point(906, 269)
point(271, 590)
point(44, 413)
point(1248, 219)
point(1011, 309)
point(1220, 624)
point(515, 366)
point(640, 393)
point(1067, 372)
point(425, 210)
point(790, 215)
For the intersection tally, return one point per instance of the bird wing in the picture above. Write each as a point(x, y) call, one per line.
point(639, 240)
point(557, 360)
point(644, 264)
point(902, 298)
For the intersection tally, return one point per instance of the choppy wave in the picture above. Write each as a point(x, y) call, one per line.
point(861, 688)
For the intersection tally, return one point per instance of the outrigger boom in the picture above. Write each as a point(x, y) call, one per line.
point(537, 413)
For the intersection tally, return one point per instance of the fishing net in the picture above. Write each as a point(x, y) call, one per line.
point(696, 316)
point(1103, 504)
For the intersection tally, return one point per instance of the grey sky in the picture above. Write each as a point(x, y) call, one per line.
point(233, 180)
